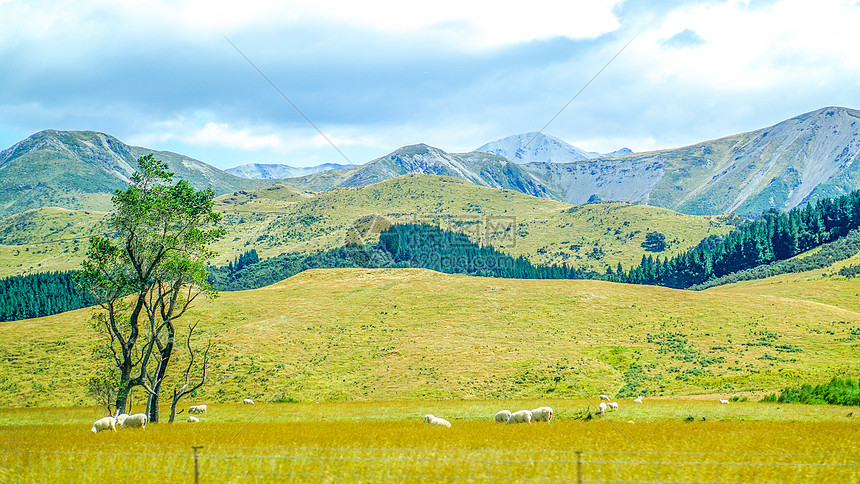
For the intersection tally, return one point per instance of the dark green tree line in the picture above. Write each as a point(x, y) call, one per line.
point(772, 237)
point(37, 295)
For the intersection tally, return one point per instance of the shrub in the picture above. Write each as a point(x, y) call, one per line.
point(836, 392)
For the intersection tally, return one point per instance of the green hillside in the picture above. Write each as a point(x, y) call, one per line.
point(327, 335)
point(280, 219)
point(80, 170)
point(47, 239)
point(592, 236)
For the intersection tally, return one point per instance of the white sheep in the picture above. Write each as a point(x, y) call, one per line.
point(120, 419)
point(521, 416)
point(542, 414)
point(601, 409)
point(723, 400)
point(604, 397)
point(136, 420)
point(104, 423)
point(197, 409)
point(433, 420)
point(503, 416)
point(248, 401)
point(192, 419)
point(638, 399)
point(613, 406)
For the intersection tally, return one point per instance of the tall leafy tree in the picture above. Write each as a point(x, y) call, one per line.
point(146, 276)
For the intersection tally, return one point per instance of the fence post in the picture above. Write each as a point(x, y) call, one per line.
point(196, 464)
point(579, 467)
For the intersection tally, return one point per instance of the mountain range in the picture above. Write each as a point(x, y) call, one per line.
point(779, 167)
point(273, 171)
point(799, 160)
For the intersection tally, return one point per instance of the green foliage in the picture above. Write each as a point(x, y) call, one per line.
point(654, 242)
point(825, 256)
point(776, 236)
point(836, 392)
point(850, 271)
point(158, 257)
point(39, 295)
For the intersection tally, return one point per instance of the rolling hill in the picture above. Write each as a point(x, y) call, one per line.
point(349, 334)
point(282, 219)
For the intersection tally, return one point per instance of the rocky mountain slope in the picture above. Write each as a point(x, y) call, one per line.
point(802, 159)
point(479, 168)
point(779, 167)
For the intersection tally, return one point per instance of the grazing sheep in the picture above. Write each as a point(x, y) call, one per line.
point(433, 420)
point(638, 399)
point(542, 414)
point(104, 423)
point(136, 420)
point(613, 406)
point(723, 400)
point(521, 416)
point(248, 401)
point(604, 397)
point(192, 419)
point(120, 419)
point(601, 409)
point(503, 416)
point(197, 409)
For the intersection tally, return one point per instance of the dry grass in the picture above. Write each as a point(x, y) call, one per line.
point(387, 441)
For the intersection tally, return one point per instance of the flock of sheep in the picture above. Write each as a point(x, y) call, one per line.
point(140, 419)
point(123, 419)
point(540, 414)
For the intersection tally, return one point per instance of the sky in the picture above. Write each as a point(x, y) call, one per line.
point(304, 83)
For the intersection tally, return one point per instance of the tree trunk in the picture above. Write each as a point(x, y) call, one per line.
point(123, 392)
point(152, 402)
point(173, 406)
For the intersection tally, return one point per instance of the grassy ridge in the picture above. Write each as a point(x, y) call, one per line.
point(332, 335)
point(282, 219)
point(47, 239)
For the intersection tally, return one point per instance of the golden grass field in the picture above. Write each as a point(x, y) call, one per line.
point(388, 442)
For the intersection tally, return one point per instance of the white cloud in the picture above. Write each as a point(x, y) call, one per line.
point(210, 134)
point(745, 48)
point(469, 24)
point(477, 23)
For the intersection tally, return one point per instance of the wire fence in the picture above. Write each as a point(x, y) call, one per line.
point(309, 464)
